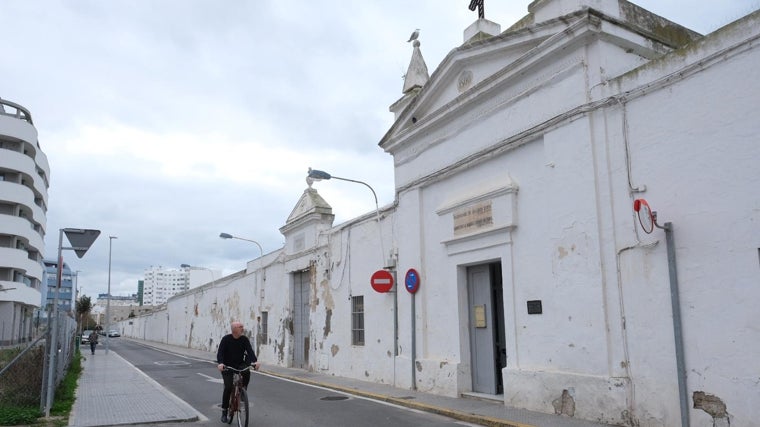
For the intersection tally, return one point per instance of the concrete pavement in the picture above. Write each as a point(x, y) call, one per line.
point(111, 391)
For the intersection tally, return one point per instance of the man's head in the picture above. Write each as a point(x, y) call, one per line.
point(237, 329)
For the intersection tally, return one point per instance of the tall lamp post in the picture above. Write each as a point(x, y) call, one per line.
point(76, 298)
point(230, 236)
point(108, 298)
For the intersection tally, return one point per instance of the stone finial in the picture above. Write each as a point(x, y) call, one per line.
point(417, 74)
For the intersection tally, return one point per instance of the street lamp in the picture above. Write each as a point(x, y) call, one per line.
point(230, 236)
point(318, 175)
point(108, 298)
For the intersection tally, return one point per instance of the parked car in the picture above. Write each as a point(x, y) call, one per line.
point(114, 333)
point(86, 337)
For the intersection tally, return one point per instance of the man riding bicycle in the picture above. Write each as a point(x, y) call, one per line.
point(234, 351)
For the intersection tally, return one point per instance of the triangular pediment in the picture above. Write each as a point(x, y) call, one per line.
point(477, 69)
point(462, 71)
point(310, 202)
point(310, 207)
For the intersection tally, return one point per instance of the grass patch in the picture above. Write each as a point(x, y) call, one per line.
point(65, 394)
point(13, 416)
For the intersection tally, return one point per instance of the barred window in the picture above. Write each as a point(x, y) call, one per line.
point(357, 320)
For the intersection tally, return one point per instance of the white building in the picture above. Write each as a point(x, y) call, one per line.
point(24, 182)
point(517, 166)
point(162, 283)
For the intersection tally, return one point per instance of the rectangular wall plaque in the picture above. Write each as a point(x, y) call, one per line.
point(480, 316)
point(473, 218)
point(534, 307)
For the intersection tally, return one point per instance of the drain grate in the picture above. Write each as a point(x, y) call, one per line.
point(331, 398)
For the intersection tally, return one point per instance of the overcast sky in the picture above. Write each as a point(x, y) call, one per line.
point(168, 122)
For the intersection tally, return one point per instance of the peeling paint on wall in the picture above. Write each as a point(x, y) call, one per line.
point(713, 405)
point(334, 349)
point(328, 318)
point(565, 404)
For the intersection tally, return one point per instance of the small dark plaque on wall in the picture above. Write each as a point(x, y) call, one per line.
point(534, 307)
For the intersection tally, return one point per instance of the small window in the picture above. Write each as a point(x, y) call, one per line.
point(357, 320)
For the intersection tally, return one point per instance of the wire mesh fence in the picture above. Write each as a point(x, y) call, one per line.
point(26, 369)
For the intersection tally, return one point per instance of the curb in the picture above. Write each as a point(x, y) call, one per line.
point(458, 415)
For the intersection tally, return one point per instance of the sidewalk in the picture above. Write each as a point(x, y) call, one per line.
point(112, 391)
point(134, 398)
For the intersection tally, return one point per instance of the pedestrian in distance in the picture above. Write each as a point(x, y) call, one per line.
point(93, 341)
point(234, 351)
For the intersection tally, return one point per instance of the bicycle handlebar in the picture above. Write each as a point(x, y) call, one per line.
point(230, 368)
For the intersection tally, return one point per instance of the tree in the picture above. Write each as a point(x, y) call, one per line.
point(83, 306)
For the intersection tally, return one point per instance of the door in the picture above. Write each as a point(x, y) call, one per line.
point(301, 311)
point(486, 318)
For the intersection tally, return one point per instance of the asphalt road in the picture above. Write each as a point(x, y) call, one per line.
point(275, 402)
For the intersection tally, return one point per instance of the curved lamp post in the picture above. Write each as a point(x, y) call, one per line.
point(230, 236)
point(318, 175)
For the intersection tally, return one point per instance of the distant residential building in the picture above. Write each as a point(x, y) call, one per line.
point(24, 182)
point(67, 292)
point(161, 283)
point(120, 308)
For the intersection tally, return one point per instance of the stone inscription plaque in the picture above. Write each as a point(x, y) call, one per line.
point(473, 218)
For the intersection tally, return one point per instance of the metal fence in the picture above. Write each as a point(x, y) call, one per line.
point(28, 374)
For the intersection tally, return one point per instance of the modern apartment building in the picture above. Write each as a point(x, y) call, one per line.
point(24, 182)
point(67, 292)
point(162, 283)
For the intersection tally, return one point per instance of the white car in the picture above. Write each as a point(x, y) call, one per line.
point(114, 333)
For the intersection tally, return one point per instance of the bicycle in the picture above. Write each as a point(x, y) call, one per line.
point(239, 404)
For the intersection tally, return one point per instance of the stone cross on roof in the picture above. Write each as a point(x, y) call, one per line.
point(480, 6)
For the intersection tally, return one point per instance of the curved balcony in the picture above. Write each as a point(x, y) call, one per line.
point(15, 111)
point(18, 129)
point(23, 228)
point(20, 293)
point(42, 163)
point(16, 161)
point(17, 193)
point(19, 260)
point(25, 165)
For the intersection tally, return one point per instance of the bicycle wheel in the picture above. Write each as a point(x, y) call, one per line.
point(233, 406)
point(242, 412)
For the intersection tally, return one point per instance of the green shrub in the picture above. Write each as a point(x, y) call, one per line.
point(18, 415)
point(65, 394)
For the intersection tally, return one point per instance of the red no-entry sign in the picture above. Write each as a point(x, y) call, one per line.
point(381, 281)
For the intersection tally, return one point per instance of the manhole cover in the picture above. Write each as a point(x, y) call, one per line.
point(334, 398)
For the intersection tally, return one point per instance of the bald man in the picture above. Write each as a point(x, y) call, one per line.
point(234, 351)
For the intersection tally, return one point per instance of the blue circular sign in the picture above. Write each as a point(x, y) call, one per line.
point(412, 280)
